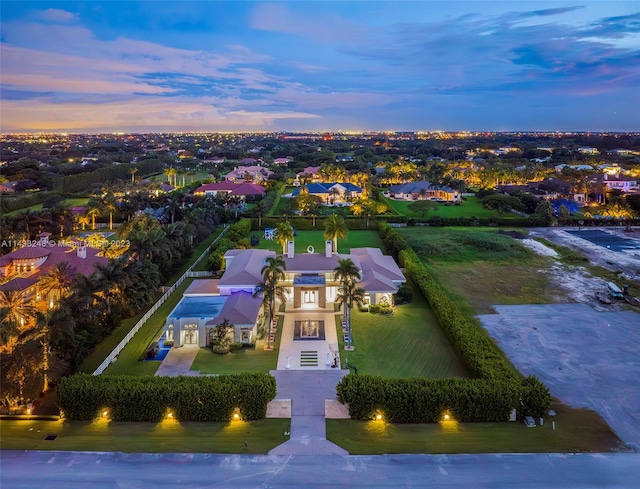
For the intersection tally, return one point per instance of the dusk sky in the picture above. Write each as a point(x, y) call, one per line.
point(110, 66)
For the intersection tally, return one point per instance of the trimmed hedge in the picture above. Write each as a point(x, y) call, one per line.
point(424, 400)
point(128, 398)
point(496, 390)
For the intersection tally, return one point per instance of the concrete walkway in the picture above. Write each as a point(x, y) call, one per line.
point(308, 391)
point(296, 349)
point(178, 362)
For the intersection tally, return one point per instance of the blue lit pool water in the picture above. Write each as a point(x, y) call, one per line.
point(606, 240)
point(162, 352)
point(194, 307)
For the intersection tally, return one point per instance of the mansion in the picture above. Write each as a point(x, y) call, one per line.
point(22, 269)
point(423, 190)
point(310, 285)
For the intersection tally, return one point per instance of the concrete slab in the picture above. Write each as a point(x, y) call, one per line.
point(308, 437)
point(293, 348)
point(587, 358)
point(178, 362)
point(279, 408)
point(307, 389)
point(335, 410)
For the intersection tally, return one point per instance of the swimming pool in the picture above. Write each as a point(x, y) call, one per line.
point(199, 307)
point(606, 240)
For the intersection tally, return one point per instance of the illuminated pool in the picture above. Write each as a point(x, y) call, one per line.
point(199, 307)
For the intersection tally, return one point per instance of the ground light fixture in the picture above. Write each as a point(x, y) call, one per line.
point(105, 413)
point(236, 414)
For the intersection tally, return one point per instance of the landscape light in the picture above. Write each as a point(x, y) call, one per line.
point(105, 413)
point(446, 417)
point(236, 416)
point(28, 410)
point(169, 414)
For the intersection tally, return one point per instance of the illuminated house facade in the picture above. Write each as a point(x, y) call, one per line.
point(309, 284)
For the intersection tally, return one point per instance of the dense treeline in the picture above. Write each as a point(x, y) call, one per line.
point(83, 181)
point(128, 398)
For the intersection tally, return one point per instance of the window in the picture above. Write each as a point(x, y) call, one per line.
point(309, 297)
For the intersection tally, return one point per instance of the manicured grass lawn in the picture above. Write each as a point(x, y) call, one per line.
point(468, 208)
point(165, 437)
point(577, 430)
point(201, 175)
point(246, 360)
point(355, 239)
point(408, 343)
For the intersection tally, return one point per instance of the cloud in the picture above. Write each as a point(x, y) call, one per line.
point(55, 15)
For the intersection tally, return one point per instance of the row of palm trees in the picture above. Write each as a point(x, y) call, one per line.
point(335, 228)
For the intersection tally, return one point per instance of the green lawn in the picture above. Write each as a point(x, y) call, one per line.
point(165, 437)
point(201, 175)
point(409, 343)
point(470, 207)
point(246, 360)
point(68, 202)
point(355, 239)
point(577, 430)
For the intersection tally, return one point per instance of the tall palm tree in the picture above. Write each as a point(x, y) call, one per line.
point(348, 296)
point(346, 272)
point(109, 206)
point(93, 211)
point(272, 273)
point(283, 234)
point(334, 228)
point(133, 172)
point(58, 279)
point(83, 221)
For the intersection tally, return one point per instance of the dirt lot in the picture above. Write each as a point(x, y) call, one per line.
point(587, 358)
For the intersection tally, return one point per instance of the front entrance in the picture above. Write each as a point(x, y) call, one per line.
point(190, 334)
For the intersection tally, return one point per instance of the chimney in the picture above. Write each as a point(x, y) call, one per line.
point(328, 246)
point(82, 251)
point(290, 249)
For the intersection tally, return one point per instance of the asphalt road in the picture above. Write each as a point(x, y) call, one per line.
point(70, 470)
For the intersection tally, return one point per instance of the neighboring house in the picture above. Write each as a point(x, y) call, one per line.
point(423, 190)
point(310, 173)
point(22, 269)
point(248, 161)
point(588, 150)
point(282, 161)
point(624, 152)
point(253, 174)
point(559, 168)
point(332, 193)
point(310, 285)
point(625, 184)
point(214, 161)
point(242, 190)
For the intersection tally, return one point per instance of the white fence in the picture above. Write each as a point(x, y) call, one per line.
point(116, 351)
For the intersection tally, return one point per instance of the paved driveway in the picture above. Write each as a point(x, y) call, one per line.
point(586, 358)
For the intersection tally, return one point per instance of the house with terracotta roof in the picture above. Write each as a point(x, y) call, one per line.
point(241, 190)
point(310, 285)
point(22, 269)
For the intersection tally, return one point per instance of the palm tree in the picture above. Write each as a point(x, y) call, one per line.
point(272, 273)
point(133, 171)
point(348, 296)
point(17, 308)
point(109, 207)
point(93, 210)
point(83, 221)
point(334, 228)
point(58, 279)
point(346, 272)
point(283, 234)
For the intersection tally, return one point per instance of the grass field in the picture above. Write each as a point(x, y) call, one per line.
point(577, 430)
point(254, 359)
point(468, 208)
point(304, 239)
point(410, 343)
point(479, 268)
point(68, 202)
point(165, 437)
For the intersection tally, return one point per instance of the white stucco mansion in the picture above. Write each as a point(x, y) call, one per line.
point(309, 284)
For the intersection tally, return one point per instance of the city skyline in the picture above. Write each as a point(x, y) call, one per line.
point(316, 66)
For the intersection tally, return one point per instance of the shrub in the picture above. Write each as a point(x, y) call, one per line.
point(374, 308)
point(220, 349)
point(386, 309)
point(535, 398)
point(128, 398)
point(235, 346)
point(404, 294)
